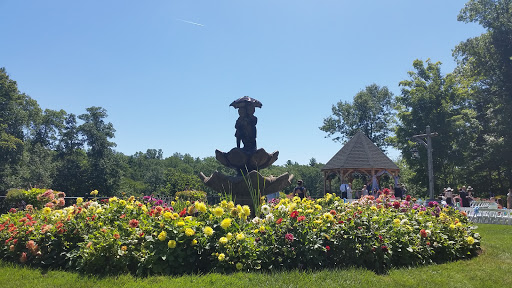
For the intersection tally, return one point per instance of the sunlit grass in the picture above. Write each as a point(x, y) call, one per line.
point(493, 268)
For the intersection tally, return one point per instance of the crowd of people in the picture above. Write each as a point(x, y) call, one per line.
point(464, 196)
point(346, 191)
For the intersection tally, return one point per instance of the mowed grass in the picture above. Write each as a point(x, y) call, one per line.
point(493, 268)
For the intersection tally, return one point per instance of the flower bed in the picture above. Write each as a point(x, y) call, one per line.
point(128, 236)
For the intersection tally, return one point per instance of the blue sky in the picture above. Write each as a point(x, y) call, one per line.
point(166, 71)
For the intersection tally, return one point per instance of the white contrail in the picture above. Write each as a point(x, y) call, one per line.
point(190, 22)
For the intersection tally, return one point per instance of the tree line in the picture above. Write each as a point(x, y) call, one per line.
point(470, 109)
point(75, 154)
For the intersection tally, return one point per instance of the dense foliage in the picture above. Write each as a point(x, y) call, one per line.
point(127, 236)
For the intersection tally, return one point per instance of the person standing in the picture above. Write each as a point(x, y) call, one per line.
point(349, 191)
point(448, 194)
point(398, 191)
point(464, 197)
point(509, 199)
point(344, 190)
point(300, 190)
point(364, 191)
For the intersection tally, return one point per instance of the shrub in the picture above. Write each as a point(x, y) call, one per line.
point(191, 195)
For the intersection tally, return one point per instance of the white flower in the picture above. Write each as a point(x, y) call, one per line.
point(269, 218)
point(256, 220)
point(476, 235)
point(265, 209)
point(283, 208)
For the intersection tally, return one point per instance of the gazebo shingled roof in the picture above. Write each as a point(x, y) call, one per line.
point(360, 154)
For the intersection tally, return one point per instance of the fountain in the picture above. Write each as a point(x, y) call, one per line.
point(246, 161)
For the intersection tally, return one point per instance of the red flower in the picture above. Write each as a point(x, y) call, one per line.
point(141, 234)
point(396, 204)
point(384, 248)
point(116, 236)
point(279, 221)
point(12, 210)
point(294, 214)
point(423, 233)
point(134, 223)
point(288, 237)
point(301, 218)
point(332, 212)
point(408, 198)
point(380, 238)
point(341, 222)
point(327, 247)
point(183, 212)
point(122, 216)
point(385, 191)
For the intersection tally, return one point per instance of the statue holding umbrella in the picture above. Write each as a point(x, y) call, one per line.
point(246, 124)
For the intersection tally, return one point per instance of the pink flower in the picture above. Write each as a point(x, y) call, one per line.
point(288, 237)
point(301, 218)
point(23, 257)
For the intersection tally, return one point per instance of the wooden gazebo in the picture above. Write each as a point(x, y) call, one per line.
point(359, 155)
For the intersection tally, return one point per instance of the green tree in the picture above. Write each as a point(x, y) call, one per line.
point(371, 112)
point(429, 98)
point(485, 72)
point(176, 181)
point(103, 173)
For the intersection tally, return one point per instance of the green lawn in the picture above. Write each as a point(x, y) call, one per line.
point(493, 268)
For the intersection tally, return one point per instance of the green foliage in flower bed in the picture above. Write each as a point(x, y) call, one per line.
point(126, 236)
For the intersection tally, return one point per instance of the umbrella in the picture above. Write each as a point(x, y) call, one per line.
point(246, 101)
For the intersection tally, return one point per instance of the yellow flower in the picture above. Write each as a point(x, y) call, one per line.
point(131, 198)
point(239, 266)
point(229, 236)
point(373, 208)
point(262, 229)
point(458, 224)
point(189, 232)
point(231, 205)
point(201, 207)
point(224, 203)
point(47, 210)
point(208, 231)
point(296, 199)
point(256, 231)
point(328, 216)
point(240, 236)
point(79, 200)
point(94, 192)
point(452, 226)
point(113, 199)
point(162, 236)
point(168, 215)
point(223, 240)
point(130, 207)
point(144, 208)
point(171, 244)
point(173, 203)
point(221, 257)
point(396, 221)
point(122, 202)
point(225, 223)
point(218, 211)
point(180, 224)
point(233, 212)
point(187, 203)
point(124, 248)
point(194, 242)
point(175, 215)
point(470, 240)
point(292, 206)
point(246, 210)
